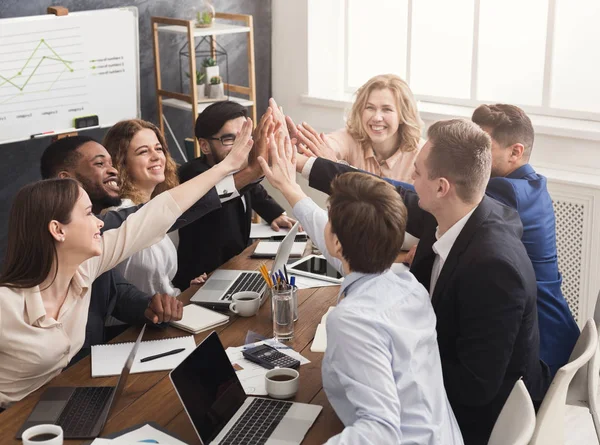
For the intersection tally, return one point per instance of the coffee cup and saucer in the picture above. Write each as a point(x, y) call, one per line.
point(282, 383)
point(245, 304)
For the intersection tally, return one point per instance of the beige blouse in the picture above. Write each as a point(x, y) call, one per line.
point(33, 347)
point(399, 166)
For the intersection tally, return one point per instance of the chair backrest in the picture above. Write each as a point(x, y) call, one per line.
point(550, 422)
point(516, 422)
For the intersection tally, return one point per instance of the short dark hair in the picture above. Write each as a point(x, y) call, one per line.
point(210, 121)
point(508, 123)
point(369, 219)
point(62, 154)
point(462, 153)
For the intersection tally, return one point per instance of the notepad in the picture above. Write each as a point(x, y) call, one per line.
point(319, 343)
point(269, 249)
point(197, 319)
point(109, 359)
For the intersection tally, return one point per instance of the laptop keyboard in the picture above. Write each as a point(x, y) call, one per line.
point(247, 281)
point(257, 423)
point(83, 409)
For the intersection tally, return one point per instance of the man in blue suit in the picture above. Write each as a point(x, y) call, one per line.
point(515, 183)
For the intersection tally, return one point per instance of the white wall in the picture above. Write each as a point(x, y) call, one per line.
point(566, 151)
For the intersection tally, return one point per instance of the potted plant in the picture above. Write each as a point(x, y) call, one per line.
point(215, 89)
point(211, 69)
point(201, 87)
point(205, 17)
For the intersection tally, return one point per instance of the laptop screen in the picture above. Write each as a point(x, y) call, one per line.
point(208, 387)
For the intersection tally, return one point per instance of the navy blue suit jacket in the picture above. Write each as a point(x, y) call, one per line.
point(525, 191)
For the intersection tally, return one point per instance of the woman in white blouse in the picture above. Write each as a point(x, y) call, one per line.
point(146, 169)
point(55, 251)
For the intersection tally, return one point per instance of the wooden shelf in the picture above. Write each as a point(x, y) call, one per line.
point(215, 30)
point(201, 106)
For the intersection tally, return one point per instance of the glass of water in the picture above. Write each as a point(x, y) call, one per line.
point(282, 303)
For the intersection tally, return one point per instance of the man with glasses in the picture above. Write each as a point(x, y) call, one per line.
point(209, 242)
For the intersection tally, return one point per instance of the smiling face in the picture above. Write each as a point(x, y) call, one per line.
point(214, 149)
point(82, 234)
point(146, 160)
point(97, 175)
point(380, 118)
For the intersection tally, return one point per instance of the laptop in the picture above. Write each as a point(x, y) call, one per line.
point(216, 293)
point(81, 411)
point(219, 410)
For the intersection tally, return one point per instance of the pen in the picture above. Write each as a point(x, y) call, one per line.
point(287, 280)
point(293, 281)
point(164, 354)
point(37, 135)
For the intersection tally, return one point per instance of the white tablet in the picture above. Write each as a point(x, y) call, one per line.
point(315, 266)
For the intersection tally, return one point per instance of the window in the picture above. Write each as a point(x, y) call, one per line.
point(542, 55)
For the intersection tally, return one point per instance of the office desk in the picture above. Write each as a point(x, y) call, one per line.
point(150, 397)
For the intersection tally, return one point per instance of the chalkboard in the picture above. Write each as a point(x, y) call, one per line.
point(55, 69)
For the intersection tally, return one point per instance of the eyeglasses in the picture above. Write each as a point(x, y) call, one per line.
point(227, 139)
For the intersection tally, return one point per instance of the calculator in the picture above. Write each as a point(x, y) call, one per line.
point(269, 357)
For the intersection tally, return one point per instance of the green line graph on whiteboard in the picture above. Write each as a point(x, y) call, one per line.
point(38, 71)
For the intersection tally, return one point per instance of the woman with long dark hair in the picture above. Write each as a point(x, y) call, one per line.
point(55, 251)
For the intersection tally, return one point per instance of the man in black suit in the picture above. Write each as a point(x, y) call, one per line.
point(209, 242)
point(480, 279)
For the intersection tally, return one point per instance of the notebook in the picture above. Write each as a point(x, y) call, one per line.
point(109, 359)
point(197, 319)
point(319, 343)
point(269, 249)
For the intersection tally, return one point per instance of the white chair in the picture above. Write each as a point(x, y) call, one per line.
point(516, 422)
point(550, 422)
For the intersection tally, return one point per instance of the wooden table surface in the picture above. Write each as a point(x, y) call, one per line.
point(150, 397)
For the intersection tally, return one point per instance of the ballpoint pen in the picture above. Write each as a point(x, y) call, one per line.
point(164, 354)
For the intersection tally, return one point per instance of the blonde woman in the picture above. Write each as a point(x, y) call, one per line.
point(146, 169)
point(382, 134)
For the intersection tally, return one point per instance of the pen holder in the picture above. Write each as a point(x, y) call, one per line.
point(282, 311)
point(269, 294)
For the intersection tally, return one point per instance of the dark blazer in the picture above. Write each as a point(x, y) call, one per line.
point(207, 243)
point(485, 303)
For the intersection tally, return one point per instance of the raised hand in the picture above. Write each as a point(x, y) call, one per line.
point(265, 128)
point(237, 158)
point(312, 143)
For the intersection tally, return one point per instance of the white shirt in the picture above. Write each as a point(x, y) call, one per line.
point(442, 248)
point(151, 270)
point(382, 370)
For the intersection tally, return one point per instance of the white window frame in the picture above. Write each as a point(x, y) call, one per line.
point(544, 110)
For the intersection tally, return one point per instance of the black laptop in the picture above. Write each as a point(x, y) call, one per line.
point(81, 411)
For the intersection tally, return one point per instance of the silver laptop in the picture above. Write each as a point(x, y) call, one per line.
point(219, 410)
point(81, 411)
point(216, 293)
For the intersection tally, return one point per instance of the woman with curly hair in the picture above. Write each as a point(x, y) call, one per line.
point(382, 134)
point(146, 169)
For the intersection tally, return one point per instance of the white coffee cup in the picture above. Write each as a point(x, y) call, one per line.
point(282, 389)
point(47, 430)
point(245, 304)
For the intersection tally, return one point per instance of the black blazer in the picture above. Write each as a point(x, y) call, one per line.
point(207, 243)
point(485, 304)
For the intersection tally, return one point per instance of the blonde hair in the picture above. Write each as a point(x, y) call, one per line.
point(410, 122)
point(117, 142)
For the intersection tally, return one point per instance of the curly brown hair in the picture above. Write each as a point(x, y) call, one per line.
point(117, 142)
point(406, 106)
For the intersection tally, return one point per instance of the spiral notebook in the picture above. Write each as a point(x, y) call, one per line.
point(109, 359)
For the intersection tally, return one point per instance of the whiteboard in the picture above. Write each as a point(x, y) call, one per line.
point(54, 69)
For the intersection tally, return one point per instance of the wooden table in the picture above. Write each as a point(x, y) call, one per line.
point(150, 397)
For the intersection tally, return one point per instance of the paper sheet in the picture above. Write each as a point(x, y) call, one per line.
point(265, 231)
point(252, 375)
point(145, 434)
point(307, 282)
